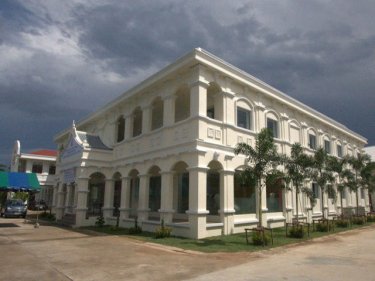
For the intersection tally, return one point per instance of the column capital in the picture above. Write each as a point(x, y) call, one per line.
point(197, 168)
point(201, 83)
point(284, 116)
point(260, 105)
point(304, 125)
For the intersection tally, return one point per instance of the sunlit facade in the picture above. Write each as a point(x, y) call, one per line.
point(164, 151)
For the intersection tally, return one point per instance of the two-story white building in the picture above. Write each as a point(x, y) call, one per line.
point(164, 150)
point(42, 162)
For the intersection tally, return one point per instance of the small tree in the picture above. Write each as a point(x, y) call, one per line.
point(344, 176)
point(368, 179)
point(358, 164)
point(261, 161)
point(323, 175)
point(298, 167)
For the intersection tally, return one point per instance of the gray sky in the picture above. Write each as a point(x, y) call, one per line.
point(61, 60)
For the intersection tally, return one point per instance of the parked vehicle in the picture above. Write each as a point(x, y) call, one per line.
point(14, 208)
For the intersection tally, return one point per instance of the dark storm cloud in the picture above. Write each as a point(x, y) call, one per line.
point(61, 60)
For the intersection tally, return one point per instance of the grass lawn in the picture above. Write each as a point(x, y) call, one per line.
point(225, 243)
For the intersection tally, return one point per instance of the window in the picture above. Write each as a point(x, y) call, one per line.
point(274, 198)
point(154, 196)
point(243, 118)
point(52, 170)
point(213, 192)
point(312, 141)
point(211, 112)
point(183, 192)
point(244, 196)
point(37, 168)
point(327, 146)
point(363, 193)
point(137, 122)
point(315, 190)
point(339, 150)
point(120, 129)
point(182, 105)
point(273, 127)
point(157, 114)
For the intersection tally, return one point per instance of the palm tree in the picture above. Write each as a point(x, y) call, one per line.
point(358, 163)
point(298, 167)
point(368, 179)
point(323, 175)
point(344, 176)
point(263, 160)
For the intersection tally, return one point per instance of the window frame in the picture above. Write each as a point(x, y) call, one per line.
point(248, 117)
point(273, 129)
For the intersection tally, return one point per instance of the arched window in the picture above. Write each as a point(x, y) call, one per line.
point(327, 144)
point(275, 196)
point(244, 194)
point(181, 188)
point(117, 194)
point(157, 114)
point(134, 192)
point(120, 129)
point(273, 124)
point(154, 195)
point(213, 187)
point(244, 115)
point(182, 104)
point(96, 194)
point(312, 139)
point(137, 122)
point(294, 132)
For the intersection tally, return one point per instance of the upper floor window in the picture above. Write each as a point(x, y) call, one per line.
point(182, 104)
point(243, 118)
point(157, 114)
point(272, 125)
point(37, 168)
point(312, 141)
point(120, 129)
point(137, 122)
point(327, 146)
point(339, 150)
point(315, 190)
point(214, 102)
point(52, 170)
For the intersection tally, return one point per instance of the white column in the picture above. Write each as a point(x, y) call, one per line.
point(125, 198)
point(228, 115)
point(83, 190)
point(67, 197)
point(260, 118)
point(197, 201)
point(108, 198)
point(143, 197)
point(227, 200)
point(304, 134)
point(146, 119)
point(169, 110)
point(166, 205)
point(54, 198)
point(198, 99)
point(59, 208)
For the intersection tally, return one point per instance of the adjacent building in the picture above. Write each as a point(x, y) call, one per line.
point(42, 162)
point(164, 151)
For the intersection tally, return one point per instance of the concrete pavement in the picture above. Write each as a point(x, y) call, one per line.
point(52, 253)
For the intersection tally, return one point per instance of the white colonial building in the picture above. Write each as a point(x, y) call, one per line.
point(164, 150)
point(42, 162)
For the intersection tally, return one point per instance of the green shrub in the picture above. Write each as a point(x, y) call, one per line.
point(371, 218)
point(358, 221)
point(47, 216)
point(322, 227)
point(258, 238)
point(342, 223)
point(296, 231)
point(163, 231)
point(100, 221)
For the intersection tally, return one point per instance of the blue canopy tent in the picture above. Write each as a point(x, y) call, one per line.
point(13, 181)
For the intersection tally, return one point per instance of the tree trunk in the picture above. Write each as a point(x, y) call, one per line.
point(341, 192)
point(297, 203)
point(322, 202)
point(260, 222)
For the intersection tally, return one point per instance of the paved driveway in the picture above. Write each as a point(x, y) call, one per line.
point(51, 253)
